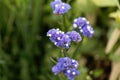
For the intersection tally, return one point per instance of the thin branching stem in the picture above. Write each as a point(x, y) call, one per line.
point(64, 23)
point(77, 48)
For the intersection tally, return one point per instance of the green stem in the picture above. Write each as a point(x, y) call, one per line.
point(77, 48)
point(54, 60)
point(64, 23)
point(64, 51)
point(68, 1)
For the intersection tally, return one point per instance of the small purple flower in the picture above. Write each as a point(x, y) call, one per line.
point(71, 73)
point(59, 38)
point(57, 68)
point(80, 22)
point(55, 35)
point(67, 66)
point(64, 42)
point(87, 31)
point(55, 3)
point(60, 7)
point(65, 62)
point(74, 36)
point(84, 26)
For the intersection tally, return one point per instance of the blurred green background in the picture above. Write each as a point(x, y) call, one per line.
point(25, 51)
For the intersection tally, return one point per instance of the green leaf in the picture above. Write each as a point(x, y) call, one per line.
point(105, 3)
point(114, 57)
point(86, 6)
point(115, 15)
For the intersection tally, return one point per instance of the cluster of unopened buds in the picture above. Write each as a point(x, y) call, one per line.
point(81, 26)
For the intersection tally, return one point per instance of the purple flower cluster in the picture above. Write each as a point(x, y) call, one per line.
point(83, 26)
point(67, 66)
point(59, 7)
point(60, 39)
point(74, 36)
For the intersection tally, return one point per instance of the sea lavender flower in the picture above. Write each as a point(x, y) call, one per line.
point(71, 73)
point(67, 66)
point(55, 3)
point(64, 42)
point(59, 38)
point(59, 7)
point(83, 26)
point(55, 35)
point(80, 22)
point(87, 31)
point(74, 36)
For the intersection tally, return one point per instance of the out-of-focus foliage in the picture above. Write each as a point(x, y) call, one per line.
point(105, 3)
point(25, 51)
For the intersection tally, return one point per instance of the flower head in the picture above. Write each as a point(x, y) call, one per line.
point(74, 36)
point(55, 35)
point(59, 38)
point(87, 31)
point(84, 27)
point(55, 3)
point(68, 66)
point(64, 42)
point(71, 73)
point(80, 22)
point(59, 7)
